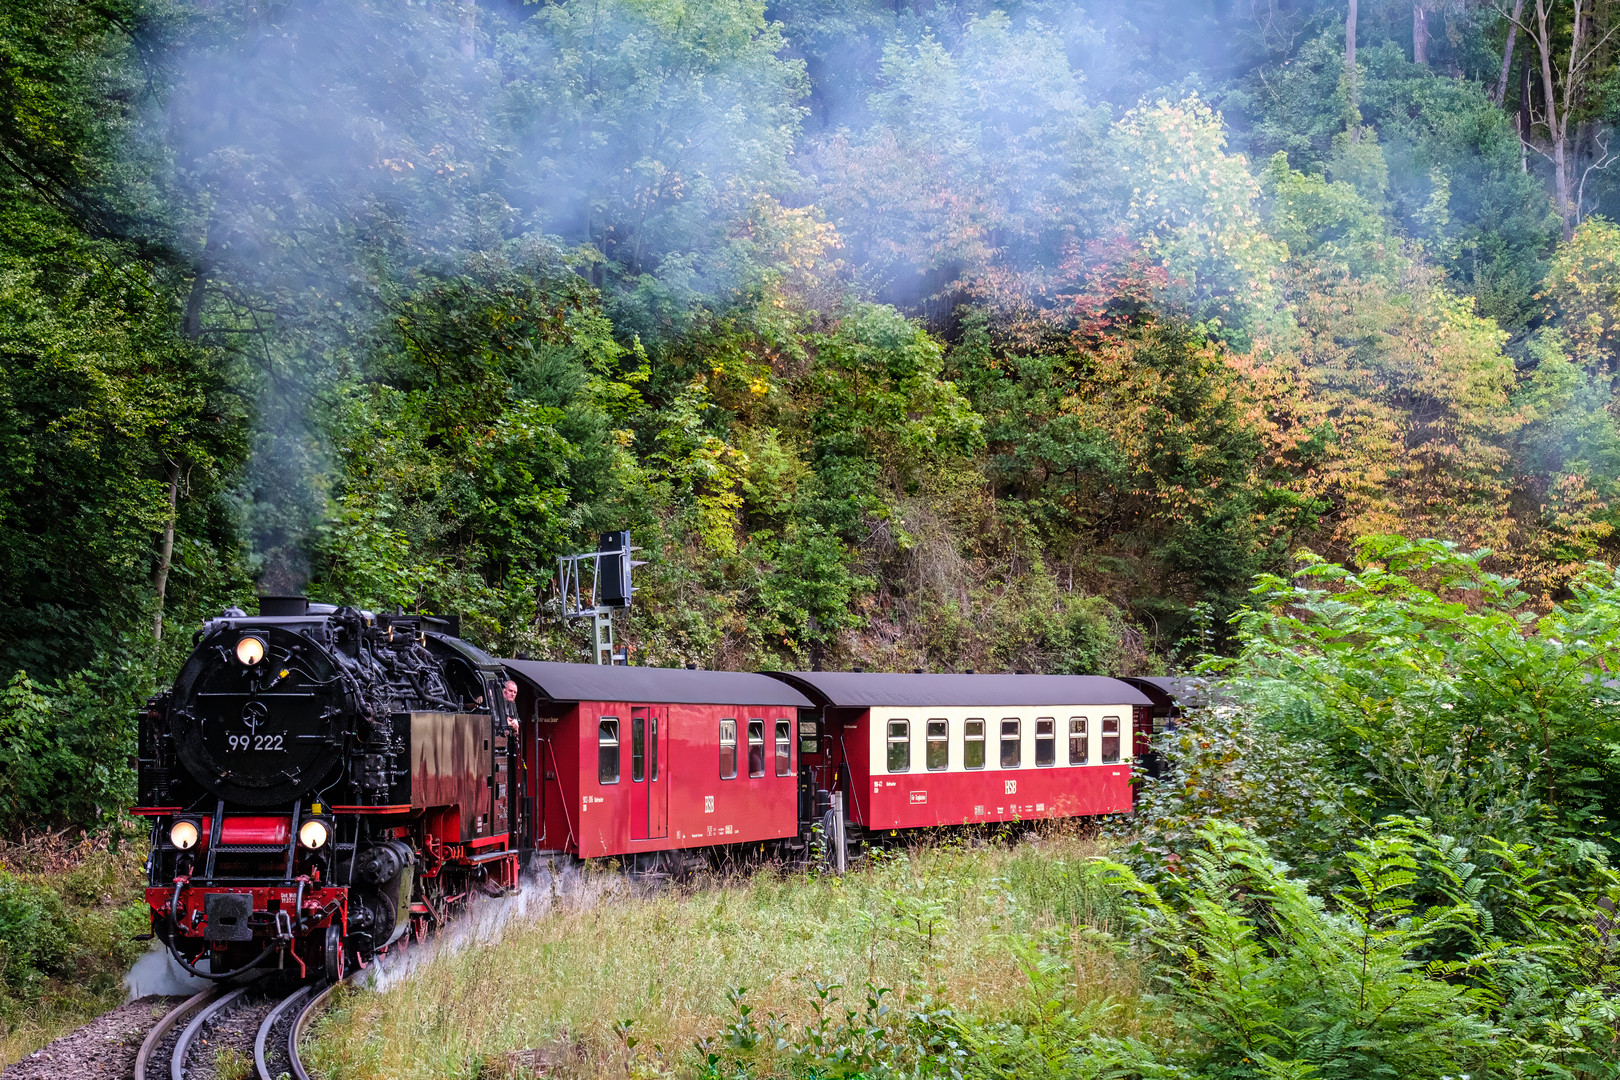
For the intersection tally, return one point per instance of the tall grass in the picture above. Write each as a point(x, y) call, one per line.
point(624, 985)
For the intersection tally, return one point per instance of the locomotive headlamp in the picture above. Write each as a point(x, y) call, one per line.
point(183, 834)
point(250, 650)
point(313, 834)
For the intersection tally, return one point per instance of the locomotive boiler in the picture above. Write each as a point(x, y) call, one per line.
point(323, 782)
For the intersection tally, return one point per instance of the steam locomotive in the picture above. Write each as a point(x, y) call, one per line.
point(323, 781)
point(327, 783)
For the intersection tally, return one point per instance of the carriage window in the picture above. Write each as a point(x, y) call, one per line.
point(1012, 743)
point(607, 751)
point(652, 748)
point(939, 745)
point(784, 747)
point(1045, 741)
point(728, 749)
point(1110, 740)
point(973, 744)
point(1079, 741)
point(807, 737)
point(638, 748)
point(899, 745)
point(756, 748)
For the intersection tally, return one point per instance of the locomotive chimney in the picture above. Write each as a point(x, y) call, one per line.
point(283, 605)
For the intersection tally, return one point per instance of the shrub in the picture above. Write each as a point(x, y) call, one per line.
point(1260, 978)
point(69, 913)
point(1223, 763)
point(1440, 687)
point(36, 936)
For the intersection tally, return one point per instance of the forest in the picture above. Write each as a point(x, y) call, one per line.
point(948, 336)
point(1046, 335)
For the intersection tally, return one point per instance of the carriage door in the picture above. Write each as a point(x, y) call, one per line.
point(649, 775)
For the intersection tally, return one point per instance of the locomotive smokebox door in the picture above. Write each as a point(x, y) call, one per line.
point(225, 917)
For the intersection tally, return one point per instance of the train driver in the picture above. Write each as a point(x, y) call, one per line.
point(509, 692)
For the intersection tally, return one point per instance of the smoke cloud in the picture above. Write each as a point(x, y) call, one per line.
point(156, 972)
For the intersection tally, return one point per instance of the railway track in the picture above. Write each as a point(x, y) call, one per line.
point(177, 1047)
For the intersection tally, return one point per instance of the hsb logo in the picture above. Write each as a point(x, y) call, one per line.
point(1011, 787)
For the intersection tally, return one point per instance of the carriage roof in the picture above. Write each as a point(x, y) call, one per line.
point(860, 689)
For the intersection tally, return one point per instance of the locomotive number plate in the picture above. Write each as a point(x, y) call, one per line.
point(266, 743)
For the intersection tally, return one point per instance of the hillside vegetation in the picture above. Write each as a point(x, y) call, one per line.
point(946, 336)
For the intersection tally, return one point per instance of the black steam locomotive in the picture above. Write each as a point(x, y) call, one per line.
point(322, 782)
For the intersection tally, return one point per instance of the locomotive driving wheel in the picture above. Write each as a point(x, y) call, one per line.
point(334, 953)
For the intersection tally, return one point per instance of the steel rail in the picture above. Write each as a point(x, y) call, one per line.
point(182, 1045)
point(149, 1045)
point(261, 1042)
point(305, 1017)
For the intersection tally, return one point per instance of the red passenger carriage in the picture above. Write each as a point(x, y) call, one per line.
point(630, 762)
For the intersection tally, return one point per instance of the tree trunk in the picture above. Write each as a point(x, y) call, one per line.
point(160, 576)
point(191, 323)
point(1557, 122)
point(1561, 180)
point(1350, 41)
point(1420, 35)
point(1557, 114)
point(1522, 121)
point(1507, 54)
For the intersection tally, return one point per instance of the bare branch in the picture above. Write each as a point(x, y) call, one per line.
point(1603, 161)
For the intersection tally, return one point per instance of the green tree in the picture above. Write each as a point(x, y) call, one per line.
point(1439, 686)
point(486, 434)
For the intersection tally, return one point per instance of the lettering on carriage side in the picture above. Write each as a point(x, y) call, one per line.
point(978, 809)
point(708, 804)
point(1010, 787)
point(919, 798)
point(1040, 806)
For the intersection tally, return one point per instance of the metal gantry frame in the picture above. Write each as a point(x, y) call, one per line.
point(580, 603)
